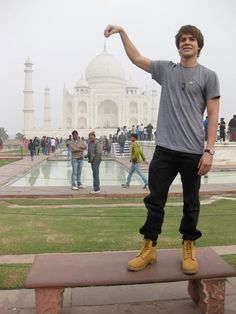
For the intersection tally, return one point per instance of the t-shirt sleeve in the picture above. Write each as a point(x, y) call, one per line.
point(158, 70)
point(212, 88)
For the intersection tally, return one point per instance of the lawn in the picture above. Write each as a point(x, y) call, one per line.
point(38, 230)
point(28, 230)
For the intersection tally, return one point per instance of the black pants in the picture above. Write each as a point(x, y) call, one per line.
point(164, 167)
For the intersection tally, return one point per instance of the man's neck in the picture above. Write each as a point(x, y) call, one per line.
point(189, 62)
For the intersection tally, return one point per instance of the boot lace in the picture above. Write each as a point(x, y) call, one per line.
point(144, 249)
point(188, 252)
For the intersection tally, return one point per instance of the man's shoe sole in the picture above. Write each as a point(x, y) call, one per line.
point(190, 272)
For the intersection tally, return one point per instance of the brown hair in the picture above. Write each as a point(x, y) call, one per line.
point(134, 135)
point(92, 133)
point(192, 30)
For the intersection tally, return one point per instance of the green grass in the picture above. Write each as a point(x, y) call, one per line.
point(231, 259)
point(38, 230)
point(4, 162)
point(12, 276)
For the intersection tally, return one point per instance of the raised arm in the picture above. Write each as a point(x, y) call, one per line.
point(131, 51)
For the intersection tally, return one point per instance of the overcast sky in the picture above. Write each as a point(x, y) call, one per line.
point(62, 36)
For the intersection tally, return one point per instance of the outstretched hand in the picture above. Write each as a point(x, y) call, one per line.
point(111, 29)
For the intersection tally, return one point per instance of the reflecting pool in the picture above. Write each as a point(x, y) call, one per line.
point(58, 173)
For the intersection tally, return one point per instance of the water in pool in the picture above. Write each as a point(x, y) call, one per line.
point(58, 173)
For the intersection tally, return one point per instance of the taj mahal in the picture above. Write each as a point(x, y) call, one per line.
point(103, 101)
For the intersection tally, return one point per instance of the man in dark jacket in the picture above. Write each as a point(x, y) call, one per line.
point(121, 141)
point(31, 148)
point(95, 158)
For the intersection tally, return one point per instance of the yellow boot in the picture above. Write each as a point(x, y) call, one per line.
point(190, 265)
point(148, 255)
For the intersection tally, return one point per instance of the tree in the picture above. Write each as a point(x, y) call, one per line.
point(19, 136)
point(3, 134)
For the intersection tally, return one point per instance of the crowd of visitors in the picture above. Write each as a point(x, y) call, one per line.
point(223, 133)
point(45, 145)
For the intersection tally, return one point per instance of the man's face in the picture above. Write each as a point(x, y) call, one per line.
point(188, 46)
point(91, 137)
point(75, 136)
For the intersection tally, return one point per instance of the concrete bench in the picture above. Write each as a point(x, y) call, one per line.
point(51, 274)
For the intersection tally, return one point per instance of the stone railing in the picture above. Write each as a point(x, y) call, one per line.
point(225, 153)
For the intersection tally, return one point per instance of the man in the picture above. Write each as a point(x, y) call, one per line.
point(232, 129)
point(137, 156)
point(31, 148)
point(95, 157)
point(36, 142)
point(68, 142)
point(205, 124)
point(77, 147)
point(187, 89)
point(141, 132)
point(149, 128)
point(222, 127)
point(121, 141)
point(53, 144)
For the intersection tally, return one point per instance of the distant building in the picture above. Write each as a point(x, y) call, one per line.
point(102, 101)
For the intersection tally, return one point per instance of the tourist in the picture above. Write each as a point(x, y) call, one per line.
point(47, 145)
point(187, 89)
point(141, 132)
point(31, 148)
point(205, 124)
point(222, 126)
point(68, 141)
point(232, 129)
point(43, 145)
point(149, 129)
point(121, 141)
point(95, 157)
point(77, 147)
point(36, 142)
point(106, 146)
point(137, 156)
point(53, 144)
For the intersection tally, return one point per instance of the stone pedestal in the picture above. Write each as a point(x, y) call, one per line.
point(49, 300)
point(208, 294)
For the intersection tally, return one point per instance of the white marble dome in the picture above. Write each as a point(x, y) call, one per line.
point(105, 66)
point(82, 83)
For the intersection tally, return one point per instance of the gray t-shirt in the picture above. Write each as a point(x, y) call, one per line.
point(183, 99)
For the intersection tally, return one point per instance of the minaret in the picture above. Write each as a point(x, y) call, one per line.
point(47, 120)
point(28, 97)
point(154, 107)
